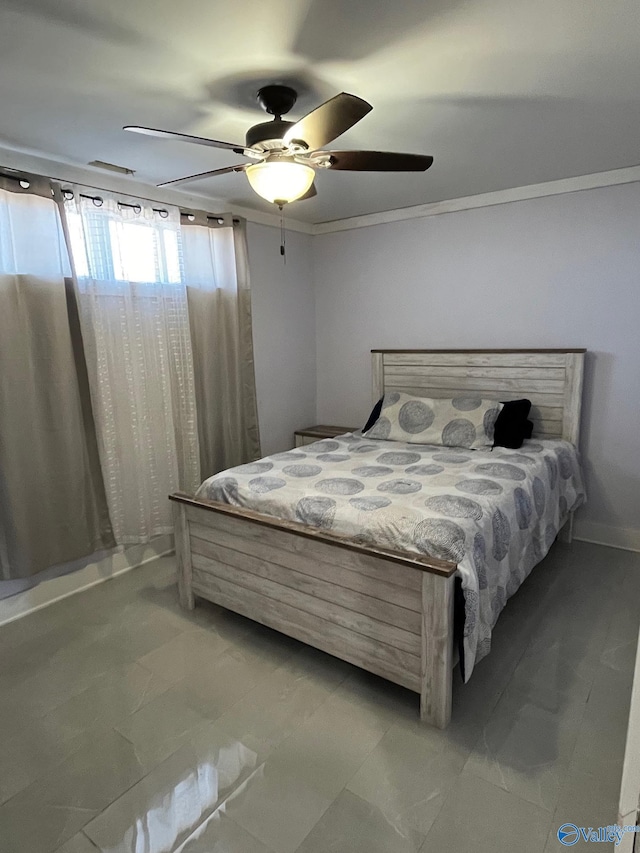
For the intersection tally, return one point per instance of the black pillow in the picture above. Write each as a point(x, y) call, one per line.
point(375, 414)
point(512, 426)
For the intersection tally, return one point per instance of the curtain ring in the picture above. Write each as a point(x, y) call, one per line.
point(98, 202)
point(67, 195)
point(24, 184)
point(135, 207)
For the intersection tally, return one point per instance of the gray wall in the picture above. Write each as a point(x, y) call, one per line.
point(283, 334)
point(561, 271)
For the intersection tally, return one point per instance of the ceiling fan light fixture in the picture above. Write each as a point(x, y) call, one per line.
point(280, 181)
point(288, 153)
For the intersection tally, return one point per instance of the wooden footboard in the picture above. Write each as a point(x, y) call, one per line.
point(388, 613)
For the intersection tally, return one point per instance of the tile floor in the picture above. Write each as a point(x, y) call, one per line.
point(130, 726)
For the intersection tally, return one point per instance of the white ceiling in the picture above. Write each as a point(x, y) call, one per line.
point(502, 93)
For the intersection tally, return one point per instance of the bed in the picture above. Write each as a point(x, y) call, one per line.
point(386, 609)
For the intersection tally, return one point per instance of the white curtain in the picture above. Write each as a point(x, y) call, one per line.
point(134, 318)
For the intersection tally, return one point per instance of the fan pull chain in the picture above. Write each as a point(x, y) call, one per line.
point(283, 236)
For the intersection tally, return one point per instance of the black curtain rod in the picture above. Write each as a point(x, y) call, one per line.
point(18, 179)
point(99, 201)
point(163, 212)
point(27, 177)
point(214, 217)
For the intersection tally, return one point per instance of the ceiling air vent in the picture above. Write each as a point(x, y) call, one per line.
point(111, 167)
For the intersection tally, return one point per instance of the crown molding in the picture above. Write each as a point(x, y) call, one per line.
point(628, 175)
point(66, 170)
point(273, 219)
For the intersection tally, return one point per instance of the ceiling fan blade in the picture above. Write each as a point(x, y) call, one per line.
point(184, 137)
point(328, 121)
point(379, 161)
point(310, 193)
point(239, 168)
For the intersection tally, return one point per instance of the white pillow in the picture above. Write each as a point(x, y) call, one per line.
point(466, 421)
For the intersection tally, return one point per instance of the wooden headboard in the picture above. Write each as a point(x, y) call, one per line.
point(550, 378)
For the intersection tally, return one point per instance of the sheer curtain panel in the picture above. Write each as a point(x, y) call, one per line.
point(217, 276)
point(52, 504)
point(134, 318)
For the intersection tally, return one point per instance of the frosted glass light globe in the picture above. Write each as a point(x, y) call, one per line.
point(280, 181)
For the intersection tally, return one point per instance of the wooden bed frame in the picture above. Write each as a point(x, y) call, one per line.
point(389, 613)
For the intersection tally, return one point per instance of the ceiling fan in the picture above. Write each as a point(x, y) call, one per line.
point(286, 154)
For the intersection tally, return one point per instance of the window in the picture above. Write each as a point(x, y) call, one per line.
point(108, 247)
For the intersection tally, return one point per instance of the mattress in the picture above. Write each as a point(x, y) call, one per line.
point(493, 512)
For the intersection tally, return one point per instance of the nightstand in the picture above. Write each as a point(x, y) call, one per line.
point(318, 432)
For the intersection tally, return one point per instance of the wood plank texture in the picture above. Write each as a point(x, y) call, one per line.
point(403, 623)
point(464, 354)
point(573, 397)
point(565, 534)
point(422, 389)
point(183, 556)
point(318, 432)
point(377, 377)
point(437, 650)
point(399, 667)
point(477, 383)
point(551, 379)
point(317, 564)
point(324, 431)
point(478, 372)
point(272, 582)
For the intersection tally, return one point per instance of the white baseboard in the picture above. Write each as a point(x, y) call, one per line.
point(625, 538)
point(116, 563)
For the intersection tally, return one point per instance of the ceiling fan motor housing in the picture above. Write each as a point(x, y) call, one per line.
point(261, 135)
point(277, 99)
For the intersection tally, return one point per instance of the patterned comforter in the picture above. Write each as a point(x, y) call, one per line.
point(495, 513)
